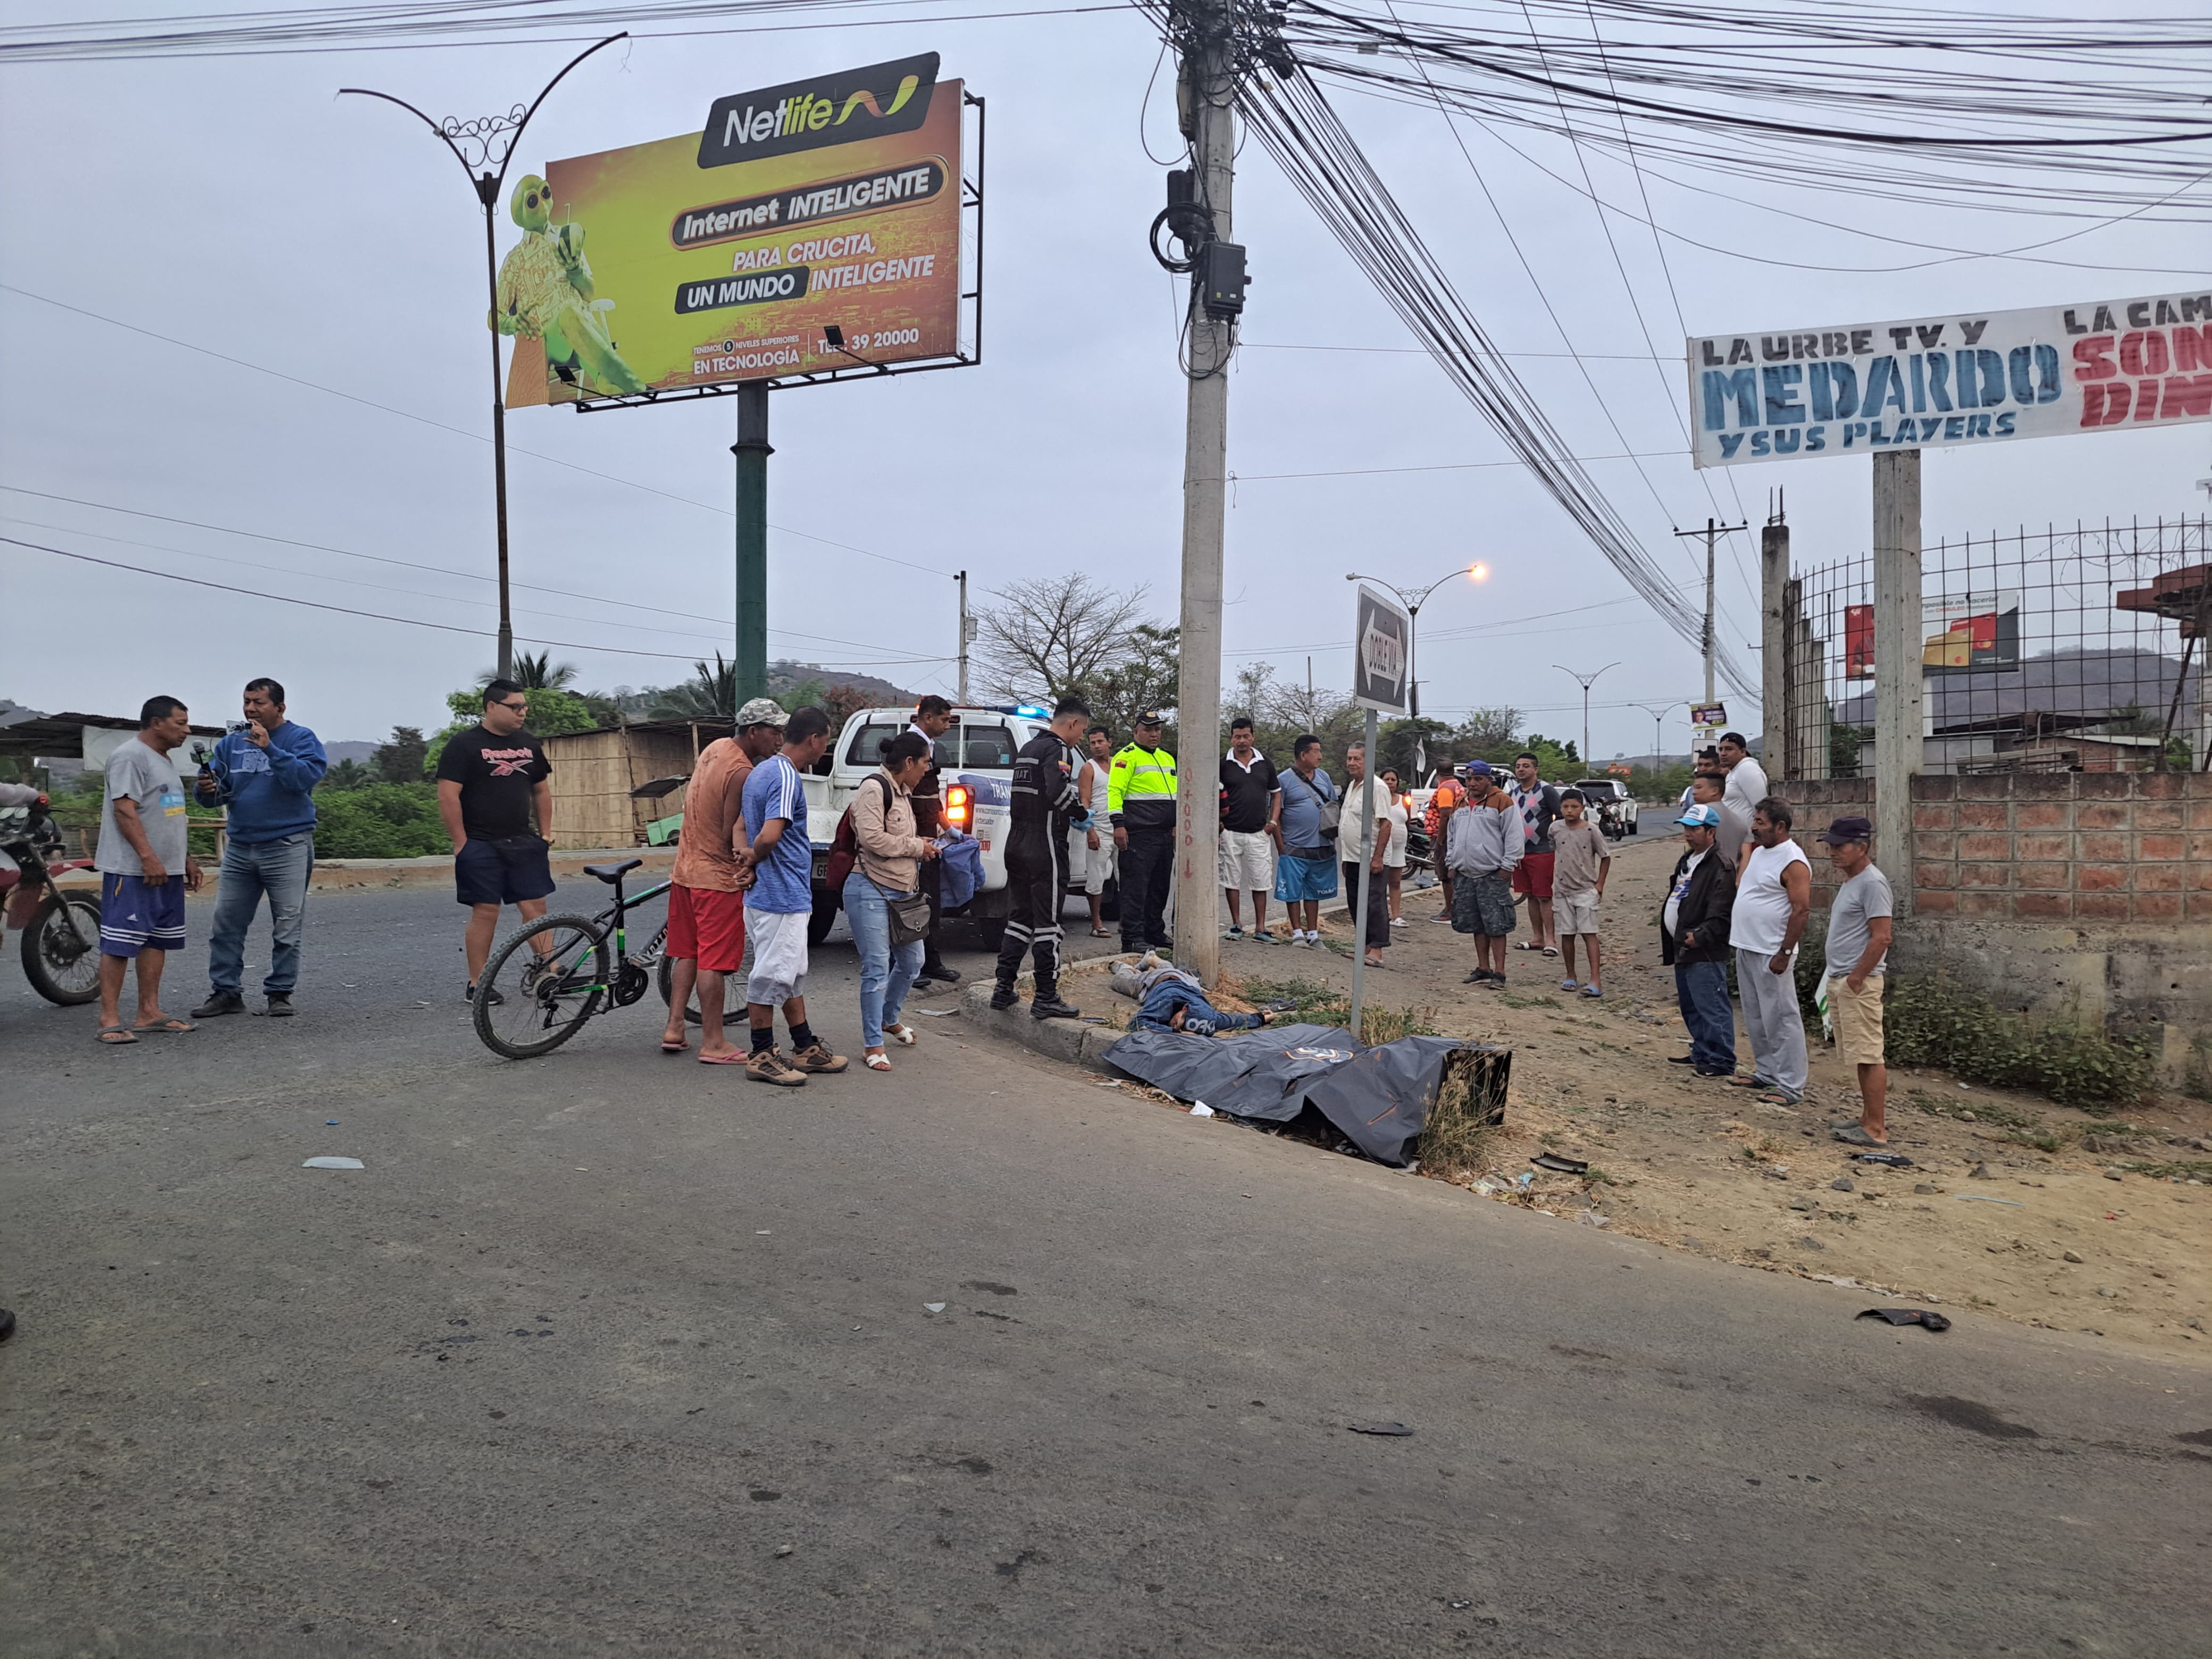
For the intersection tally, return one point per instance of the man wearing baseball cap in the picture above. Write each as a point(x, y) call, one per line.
point(706, 901)
point(1693, 940)
point(1859, 923)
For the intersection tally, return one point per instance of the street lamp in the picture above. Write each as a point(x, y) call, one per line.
point(1658, 711)
point(479, 145)
point(1412, 601)
point(1587, 682)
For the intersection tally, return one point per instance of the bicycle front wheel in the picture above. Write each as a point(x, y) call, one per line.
point(542, 985)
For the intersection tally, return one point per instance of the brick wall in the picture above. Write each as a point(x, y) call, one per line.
point(2048, 847)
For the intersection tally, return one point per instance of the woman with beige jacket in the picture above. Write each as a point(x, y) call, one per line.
point(888, 866)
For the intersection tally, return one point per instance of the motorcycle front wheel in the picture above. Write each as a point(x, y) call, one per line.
point(61, 948)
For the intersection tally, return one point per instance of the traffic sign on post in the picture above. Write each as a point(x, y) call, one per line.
point(1381, 656)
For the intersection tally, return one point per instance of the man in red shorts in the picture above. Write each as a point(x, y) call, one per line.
point(1538, 803)
point(707, 904)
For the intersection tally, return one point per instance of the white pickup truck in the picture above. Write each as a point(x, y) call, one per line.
point(976, 763)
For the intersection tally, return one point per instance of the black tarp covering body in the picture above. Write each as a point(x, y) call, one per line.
point(1377, 1098)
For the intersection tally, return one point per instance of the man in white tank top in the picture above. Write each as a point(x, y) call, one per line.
point(1090, 851)
point(1774, 896)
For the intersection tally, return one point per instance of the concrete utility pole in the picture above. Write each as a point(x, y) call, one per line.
point(748, 656)
point(1898, 627)
point(967, 635)
point(1773, 637)
point(1209, 79)
point(1711, 532)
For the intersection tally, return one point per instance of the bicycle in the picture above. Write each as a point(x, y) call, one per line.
point(564, 970)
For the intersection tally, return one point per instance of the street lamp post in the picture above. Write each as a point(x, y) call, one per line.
point(1587, 681)
point(479, 145)
point(1412, 601)
point(1658, 712)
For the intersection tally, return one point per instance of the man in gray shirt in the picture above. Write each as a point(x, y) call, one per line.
point(145, 870)
point(1858, 951)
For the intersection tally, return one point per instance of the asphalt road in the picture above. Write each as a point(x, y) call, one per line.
point(595, 1339)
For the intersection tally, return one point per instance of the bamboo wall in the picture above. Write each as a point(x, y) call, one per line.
point(593, 773)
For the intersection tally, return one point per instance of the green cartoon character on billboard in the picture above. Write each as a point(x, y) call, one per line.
point(545, 294)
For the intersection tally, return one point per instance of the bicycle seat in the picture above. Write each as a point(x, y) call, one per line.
point(611, 871)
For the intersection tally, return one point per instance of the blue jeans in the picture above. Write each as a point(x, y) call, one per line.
point(1701, 989)
point(887, 974)
point(1200, 1018)
point(278, 868)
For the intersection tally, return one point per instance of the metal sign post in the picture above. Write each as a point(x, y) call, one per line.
point(1382, 663)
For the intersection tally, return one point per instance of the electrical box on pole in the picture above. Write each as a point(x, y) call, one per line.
point(1221, 280)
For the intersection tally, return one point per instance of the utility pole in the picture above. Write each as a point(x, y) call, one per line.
point(1207, 94)
point(1898, 644)
point(1773, 649)
point(748, 656)
point(967, 634)
point(1586, 682)
point(1711, 532)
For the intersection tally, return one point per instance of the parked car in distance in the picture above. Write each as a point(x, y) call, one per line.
point(1615, 805)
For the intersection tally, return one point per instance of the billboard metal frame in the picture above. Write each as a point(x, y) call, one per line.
point(970, 354)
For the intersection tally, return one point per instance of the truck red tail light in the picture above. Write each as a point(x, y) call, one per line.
point(959, 803)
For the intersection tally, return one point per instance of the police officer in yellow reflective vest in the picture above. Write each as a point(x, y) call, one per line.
point(1140, 801)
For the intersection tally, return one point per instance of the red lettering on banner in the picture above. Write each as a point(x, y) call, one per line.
point(2192, 347)
point(2104, 406)
point(2095, 357)
point(2187, 395)
point(2144, 354)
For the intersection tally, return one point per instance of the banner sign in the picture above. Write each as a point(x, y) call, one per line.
point(1382, 641)
point(1969, 633)
point(725, 253)
point(1958, 380)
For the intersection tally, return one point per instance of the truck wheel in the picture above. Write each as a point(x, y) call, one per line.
point(990, 931)
point(826, 906)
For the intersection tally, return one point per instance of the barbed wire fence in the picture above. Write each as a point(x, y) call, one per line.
point(2079, 648)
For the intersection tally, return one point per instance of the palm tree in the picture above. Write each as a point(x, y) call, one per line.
point(709, 694)
point(542, 673)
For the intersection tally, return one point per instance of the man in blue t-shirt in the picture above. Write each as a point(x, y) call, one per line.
point(265, 773)
point(780, 904)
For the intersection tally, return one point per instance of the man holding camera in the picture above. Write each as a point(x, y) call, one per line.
point(264, 770)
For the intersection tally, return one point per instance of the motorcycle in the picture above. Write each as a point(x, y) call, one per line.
point(60, 927)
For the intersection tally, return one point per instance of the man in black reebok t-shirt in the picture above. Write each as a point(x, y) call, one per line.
point(489, 779)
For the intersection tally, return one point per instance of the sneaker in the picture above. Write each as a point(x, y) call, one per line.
point(220, 1002)
point(938, 970)
point(491, 996)
point(1263, 937)
point(1442, 916)
point(1688, 1059)
point(818, 1058)
point(1303, 941)
point(1234, 932)
point(766, 1066)
point(1003, 998)
point(1480, 976)
point(1049, 1006)
point(280, 1005)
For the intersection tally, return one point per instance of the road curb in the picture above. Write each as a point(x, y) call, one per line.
point(1068, 1041)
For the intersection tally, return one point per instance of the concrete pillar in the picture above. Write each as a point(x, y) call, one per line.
point(1898, 627)
point(1773, 647)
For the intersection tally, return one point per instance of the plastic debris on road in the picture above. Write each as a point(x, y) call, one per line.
point(1201, 1110)
point(334, 1163)
point(1976, 1198)
point(1921, 1316)
point(928, 1307)
point(1561, 1165)
point(1392, 1428)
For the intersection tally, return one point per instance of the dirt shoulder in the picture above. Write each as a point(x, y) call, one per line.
point(2064, 1239)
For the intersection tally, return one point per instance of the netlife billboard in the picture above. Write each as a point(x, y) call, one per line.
point(730, 252)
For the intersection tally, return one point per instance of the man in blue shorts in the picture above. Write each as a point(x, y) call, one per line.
point(1306, 873)
point(489, 778)
point(145, 870)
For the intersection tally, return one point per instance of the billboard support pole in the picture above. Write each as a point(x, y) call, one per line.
point(1367, 890)
point(749, 654)
point(964, 637)
point(1898, 626)
point(1211, 75)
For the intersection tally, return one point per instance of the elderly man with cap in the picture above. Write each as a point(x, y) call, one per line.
point(1485, 841)
point(1140, 802)
point(1693, 940)
point(706, 900)
point(1859, 923)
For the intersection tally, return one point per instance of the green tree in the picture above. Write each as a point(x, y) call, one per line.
point(380, 821)
point(537, 673)
point(709, 694)
point(399, 759)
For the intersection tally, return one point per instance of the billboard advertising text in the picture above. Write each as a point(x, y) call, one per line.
point(1970, 378)
point(1960, 633)
point(724, 253)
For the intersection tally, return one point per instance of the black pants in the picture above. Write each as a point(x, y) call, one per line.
point(1147, 876)
point(1037, 879)
point(933, 875)
point(1378, 907)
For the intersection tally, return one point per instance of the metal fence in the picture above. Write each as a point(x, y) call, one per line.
point(2078, 649)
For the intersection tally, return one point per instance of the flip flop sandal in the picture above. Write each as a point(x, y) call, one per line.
point(1570, 985)
point(735, 1057)
point(113, 1037)
point(878, 1062)
point(1101, 933)
point(904, 1036)
point(1746, 1083)
point(1855, 1136)
point(1523, 944)
point(166, 1028)
point(1550, 950)
point(668, 1048)
point(1776, 1097)
point(1592, 990)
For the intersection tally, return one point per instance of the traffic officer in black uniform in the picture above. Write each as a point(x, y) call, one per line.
point(1043, 797)
point(1140, 798)
point(933, 718)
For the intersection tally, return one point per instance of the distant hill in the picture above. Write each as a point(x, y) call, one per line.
point(784, 675)
point(351, 751)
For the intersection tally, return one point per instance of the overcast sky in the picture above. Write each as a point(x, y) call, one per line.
point(238, 206)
